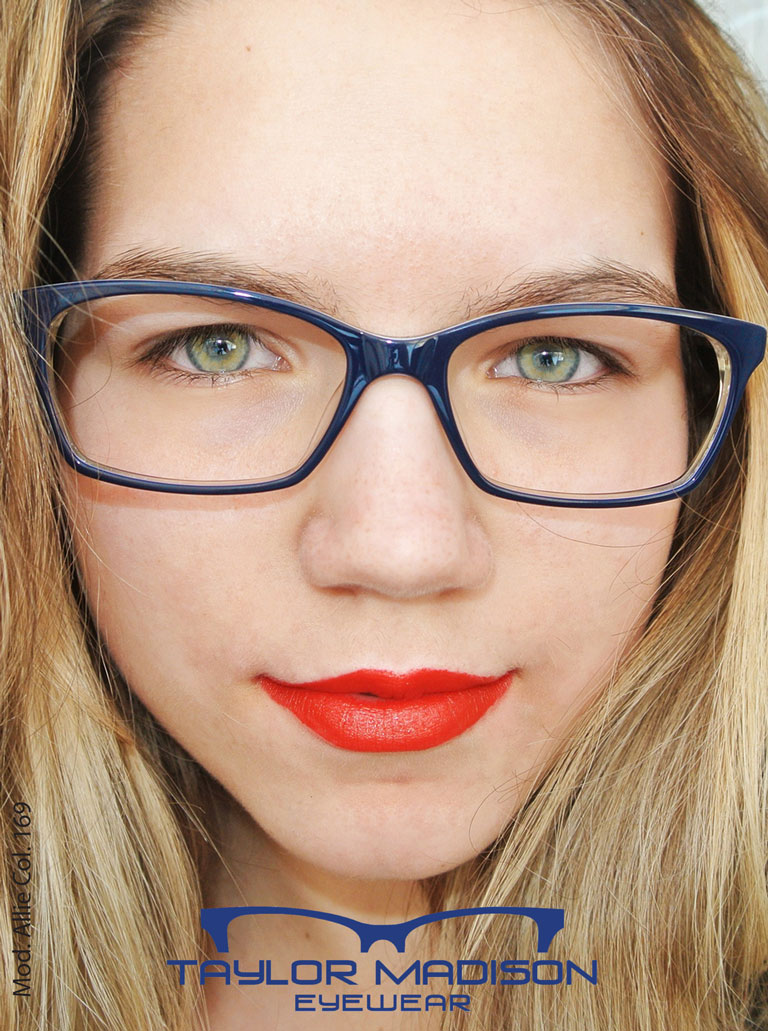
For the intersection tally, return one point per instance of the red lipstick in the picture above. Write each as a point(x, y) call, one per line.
point(373, 710)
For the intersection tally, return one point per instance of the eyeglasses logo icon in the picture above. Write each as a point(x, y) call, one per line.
point(216, 922)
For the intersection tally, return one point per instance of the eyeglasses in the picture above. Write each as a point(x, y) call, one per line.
point(195, 389)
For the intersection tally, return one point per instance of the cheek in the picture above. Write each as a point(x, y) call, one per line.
point(201, 584)
point(579, 589)
point(194, 595)
point(178, 583)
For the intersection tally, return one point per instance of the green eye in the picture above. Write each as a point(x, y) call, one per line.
point(548, 361)
point(218, 350)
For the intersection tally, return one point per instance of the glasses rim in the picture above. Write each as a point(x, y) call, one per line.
point(371, 356)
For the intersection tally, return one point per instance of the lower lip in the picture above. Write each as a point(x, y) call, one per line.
point(362, 723)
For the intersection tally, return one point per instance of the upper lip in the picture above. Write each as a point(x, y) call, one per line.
point(384, 684)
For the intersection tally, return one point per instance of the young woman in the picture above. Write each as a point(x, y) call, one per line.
point(383, 510)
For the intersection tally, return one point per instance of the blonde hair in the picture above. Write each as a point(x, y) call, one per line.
point(649, 825)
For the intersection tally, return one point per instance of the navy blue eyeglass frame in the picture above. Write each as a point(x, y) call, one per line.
point(424, 358)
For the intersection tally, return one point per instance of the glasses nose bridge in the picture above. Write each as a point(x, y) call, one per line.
point(404, 356)
point(420, 358)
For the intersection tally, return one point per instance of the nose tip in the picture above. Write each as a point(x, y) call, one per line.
point(394, 559)
point(396, 514)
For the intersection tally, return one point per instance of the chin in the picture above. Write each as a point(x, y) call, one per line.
point(392, 868)
point(391, 854)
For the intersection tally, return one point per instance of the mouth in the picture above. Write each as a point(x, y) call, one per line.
point(378, 711)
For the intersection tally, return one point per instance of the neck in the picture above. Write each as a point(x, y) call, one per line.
point(252, 870)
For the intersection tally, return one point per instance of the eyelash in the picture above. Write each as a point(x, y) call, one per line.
point(168, 345)
point(613, 367)
point(163, 348)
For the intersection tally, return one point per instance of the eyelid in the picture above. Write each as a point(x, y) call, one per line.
point(608, 359)
point(176, 341)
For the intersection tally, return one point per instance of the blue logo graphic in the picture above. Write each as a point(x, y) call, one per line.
point(216, 922)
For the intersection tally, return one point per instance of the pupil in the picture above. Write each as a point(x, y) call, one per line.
point(222, 346)
point(547, 362)
point(549, 359)
point(218, 350)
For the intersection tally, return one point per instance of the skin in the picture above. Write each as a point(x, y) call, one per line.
point(401, 166)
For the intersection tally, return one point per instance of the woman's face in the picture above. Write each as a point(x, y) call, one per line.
point(403, 168)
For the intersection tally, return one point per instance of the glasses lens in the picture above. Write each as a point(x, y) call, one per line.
point(186, 388)
point(589, 404)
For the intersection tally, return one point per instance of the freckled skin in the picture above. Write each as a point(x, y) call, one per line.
point(402, 163)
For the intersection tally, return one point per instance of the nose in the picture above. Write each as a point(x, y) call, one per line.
point(395, 514)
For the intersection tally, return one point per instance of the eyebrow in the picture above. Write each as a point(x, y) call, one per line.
point(595, 281)
point(218, 270)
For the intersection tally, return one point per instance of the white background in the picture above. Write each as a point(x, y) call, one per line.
point(746, 21)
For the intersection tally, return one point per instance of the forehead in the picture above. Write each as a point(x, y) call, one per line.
point(397, 156)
